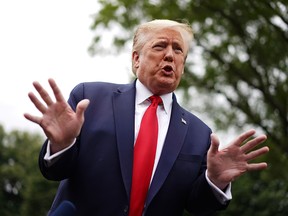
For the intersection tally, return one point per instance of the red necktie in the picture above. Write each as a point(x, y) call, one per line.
point(144, 155)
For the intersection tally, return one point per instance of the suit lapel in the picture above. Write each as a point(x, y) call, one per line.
point(174, 140)
point(124, 112)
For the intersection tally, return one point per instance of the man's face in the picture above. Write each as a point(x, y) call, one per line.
point(160, 63)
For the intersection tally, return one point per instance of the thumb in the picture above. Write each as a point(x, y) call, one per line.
point(214, 143)
point(81, 107)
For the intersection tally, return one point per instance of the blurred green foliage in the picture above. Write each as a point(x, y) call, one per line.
point(23, 190)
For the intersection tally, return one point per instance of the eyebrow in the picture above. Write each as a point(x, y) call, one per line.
point(163, 39)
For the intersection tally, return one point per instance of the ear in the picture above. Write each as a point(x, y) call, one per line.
point(135, 59)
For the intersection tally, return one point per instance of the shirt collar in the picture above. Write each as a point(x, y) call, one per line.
point(143, 93)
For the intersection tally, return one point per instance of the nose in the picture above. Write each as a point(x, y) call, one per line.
point(169, 54)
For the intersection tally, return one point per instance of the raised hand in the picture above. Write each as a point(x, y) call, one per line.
point(224, 166)
point(59, 121)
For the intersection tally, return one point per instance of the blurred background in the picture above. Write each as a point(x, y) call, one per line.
point(235, 79)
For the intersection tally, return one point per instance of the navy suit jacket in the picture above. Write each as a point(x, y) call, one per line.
point(96, 172)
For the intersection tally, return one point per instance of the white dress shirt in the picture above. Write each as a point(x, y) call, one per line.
point(163, 116)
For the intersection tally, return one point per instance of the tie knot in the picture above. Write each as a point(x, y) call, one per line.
point(155, 100)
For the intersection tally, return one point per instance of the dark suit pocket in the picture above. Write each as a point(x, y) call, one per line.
point(186, 169)
point(189, 158)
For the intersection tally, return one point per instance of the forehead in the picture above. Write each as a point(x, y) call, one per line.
point(168, 34)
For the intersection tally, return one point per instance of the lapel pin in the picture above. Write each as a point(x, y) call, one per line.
point(183, 121)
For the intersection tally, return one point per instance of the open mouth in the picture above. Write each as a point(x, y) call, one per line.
point(168, 69)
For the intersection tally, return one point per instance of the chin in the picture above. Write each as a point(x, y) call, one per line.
point(166, 88)
point(169, 82)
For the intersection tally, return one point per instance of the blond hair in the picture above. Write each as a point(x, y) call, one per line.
point(145, 29)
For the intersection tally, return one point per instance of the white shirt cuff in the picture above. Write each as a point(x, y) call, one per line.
point(222, 196)
point(50, 159)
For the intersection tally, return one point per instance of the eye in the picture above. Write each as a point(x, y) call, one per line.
point(159, 46)
point(178, 49)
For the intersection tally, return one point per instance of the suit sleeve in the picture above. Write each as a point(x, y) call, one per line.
point(202, 200)
point(60, 169)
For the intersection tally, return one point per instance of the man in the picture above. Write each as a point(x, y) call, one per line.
point(90, 149)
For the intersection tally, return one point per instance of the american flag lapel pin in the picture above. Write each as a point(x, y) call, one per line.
point(183, 121)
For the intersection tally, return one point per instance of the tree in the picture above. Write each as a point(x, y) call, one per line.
point(243, 66)
point(23, 189)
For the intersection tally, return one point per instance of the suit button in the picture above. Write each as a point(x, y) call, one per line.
point(126, 209)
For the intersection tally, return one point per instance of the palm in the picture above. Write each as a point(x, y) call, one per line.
point(60, 123)
point(228, 163)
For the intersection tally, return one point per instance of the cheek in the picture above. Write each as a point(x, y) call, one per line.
point(180, 68)
point(150, 64)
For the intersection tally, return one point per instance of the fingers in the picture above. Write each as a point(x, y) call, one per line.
point(37, 103)
point(257, 166)
point(43, 93)
point(253, 143)
point(57, 93)
point(214, 143)
point(254, 154)
point(32, 118)
point(244, 136)
point(81, 107)
point(45, 96)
